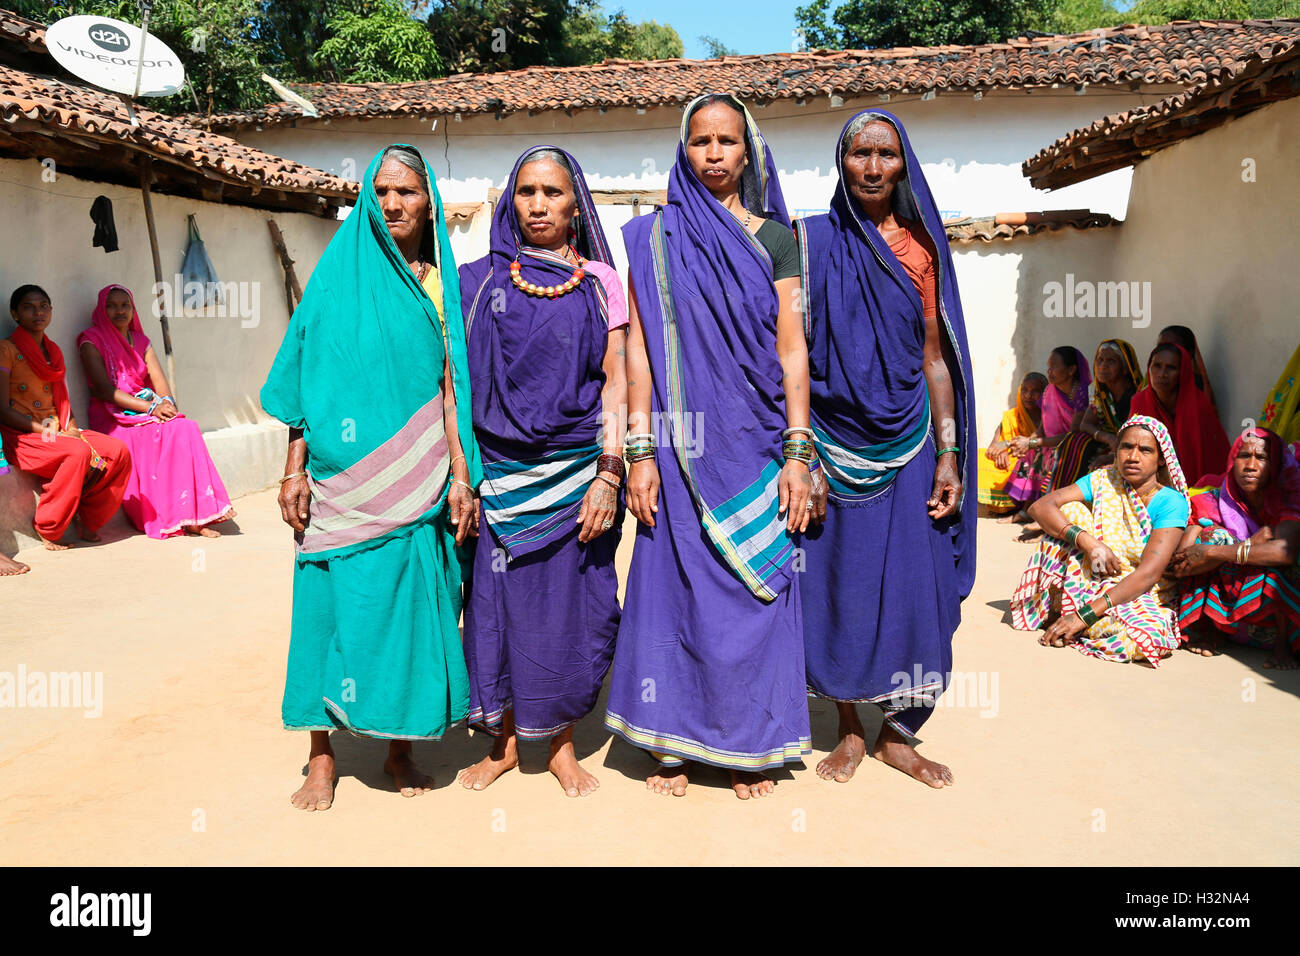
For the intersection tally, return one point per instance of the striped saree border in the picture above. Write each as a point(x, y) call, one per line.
point(389, 488)
point(528, 501)
point(685, 748)
point(751, 546)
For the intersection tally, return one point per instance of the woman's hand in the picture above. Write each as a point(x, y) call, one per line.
point(643, 490)
point(821, 490)
point(165, 411)
point(72, 431)
point(1102, 559)
point(1002, 457)
point(1020, 446)
point(1109, 439)
point(599, 505)
point(295, 502)
point(947, 487)
point(1063, 630)
point(795, 489)
point(462, 511)
point(1191, 561)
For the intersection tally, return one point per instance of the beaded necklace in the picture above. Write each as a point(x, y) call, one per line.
point(548, 291)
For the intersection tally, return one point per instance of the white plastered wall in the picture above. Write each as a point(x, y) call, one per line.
point(221, 362)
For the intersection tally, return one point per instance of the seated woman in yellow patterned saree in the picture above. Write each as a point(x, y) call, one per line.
point(1008, 483)
point(1104, 559)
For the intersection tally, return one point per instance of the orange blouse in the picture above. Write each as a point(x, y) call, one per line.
point(916, 253)
point(28, 394)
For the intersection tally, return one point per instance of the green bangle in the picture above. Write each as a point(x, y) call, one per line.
point(1071, 534)
point(943, 451)
point(1087, 614)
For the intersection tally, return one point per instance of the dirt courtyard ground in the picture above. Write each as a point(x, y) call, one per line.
point(1059, 759)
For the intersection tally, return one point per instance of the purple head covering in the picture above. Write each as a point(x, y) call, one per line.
point(536, 362)
point(866, 338)
point(708, 308)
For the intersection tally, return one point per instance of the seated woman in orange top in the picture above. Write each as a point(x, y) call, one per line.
point(86, 472)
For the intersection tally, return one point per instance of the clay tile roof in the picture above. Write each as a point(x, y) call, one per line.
point(1012, 225)
point(1184, 52)
point(1113, 142)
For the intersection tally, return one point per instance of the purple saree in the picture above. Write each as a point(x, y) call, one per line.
point(709, 664)
point(542, 609)
point(884, 582)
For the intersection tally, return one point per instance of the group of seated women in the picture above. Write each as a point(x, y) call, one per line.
point(1061, 429)
point(1133, 563)
point(140, 452)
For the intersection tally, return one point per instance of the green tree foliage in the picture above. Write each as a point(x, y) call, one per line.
point(716, 48)
point(863, 24)
point(590, 35)
point(381, 43)
point(885, 23)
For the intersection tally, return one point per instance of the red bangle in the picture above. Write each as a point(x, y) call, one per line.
point(612, 464)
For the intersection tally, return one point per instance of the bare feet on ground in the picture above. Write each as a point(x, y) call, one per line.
point(504, 756)
point(54, 545)
point(749, 785)
point(669, 780)
point(317, 792)
point(892, 748)
point(1033, 531)
point(1206, 645)
point(409, 779)
point(9, 566)
point(203, 530)
point(1283, 658)
point(85, 534)
point(564, 764)
point(842, 762)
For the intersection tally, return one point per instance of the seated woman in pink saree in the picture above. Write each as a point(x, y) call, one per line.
point(174, 487)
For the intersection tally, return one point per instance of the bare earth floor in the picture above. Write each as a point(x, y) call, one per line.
point(1058, 758)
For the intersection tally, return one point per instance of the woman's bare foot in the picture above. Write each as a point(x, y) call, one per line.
point(317, 791)
point(1207, 645)
point(750, 785)
point(203, 530)
point(409, 779)
point(1008, 518)
point(84, 533)
point(54, 545)
point(504, 756)
point(1283, 658)
point(842, 762)
point(669, 780)
point(564, 764)
point(892, 748)
point(9, 566)
point(1058, 641)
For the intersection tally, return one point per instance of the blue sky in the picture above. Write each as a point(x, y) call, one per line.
point(747, 26)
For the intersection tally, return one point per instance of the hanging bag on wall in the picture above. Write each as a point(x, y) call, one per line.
point(198, 268)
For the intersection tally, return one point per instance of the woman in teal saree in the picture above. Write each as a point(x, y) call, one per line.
point(379, 479)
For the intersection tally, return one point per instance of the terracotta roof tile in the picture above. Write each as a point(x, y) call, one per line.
point(1184, 52)
point(93, 119)
point(1113, 142)
point(1013, 225)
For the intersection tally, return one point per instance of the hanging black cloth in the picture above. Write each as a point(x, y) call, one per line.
point(101, 211)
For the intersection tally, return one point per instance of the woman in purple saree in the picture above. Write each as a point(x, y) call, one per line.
point(893, 413)
point(546, 326)
point(709, 663)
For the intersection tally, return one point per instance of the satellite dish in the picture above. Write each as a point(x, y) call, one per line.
point(115, 56)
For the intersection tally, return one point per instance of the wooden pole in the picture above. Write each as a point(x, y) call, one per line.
point(292, 290)
point(146, 177)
